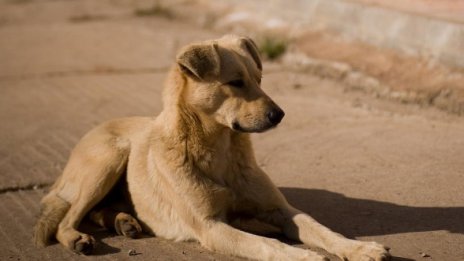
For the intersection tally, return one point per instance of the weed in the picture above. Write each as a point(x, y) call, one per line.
point(156, 10)
point(86, 18)
point(273, 47)
point(19, 1)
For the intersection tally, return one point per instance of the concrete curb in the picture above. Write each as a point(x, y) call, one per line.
point(359, 81)
point(410, 33)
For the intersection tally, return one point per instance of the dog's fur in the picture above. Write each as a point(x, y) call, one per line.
point(190, 173)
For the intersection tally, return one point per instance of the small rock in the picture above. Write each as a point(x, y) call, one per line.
point(424, 255)
point(132, 252)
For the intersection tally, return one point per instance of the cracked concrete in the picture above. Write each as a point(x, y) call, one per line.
point(34, 186)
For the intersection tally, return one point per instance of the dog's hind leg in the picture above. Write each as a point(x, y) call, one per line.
point(92, 171)
point(124, 224)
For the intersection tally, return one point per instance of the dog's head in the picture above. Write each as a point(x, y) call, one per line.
point(225, 83)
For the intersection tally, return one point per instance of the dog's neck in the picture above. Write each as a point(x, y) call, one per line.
point(184, 122)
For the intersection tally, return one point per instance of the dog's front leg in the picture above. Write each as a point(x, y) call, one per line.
point(300, 226)
point(221, 237)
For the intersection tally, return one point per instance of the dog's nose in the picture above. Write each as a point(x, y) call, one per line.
point(275, 116)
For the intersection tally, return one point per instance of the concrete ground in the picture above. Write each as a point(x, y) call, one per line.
point(367, 168)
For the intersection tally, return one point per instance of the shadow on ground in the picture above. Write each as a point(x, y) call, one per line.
point(101, 248)
point(349, 216)
point(361, 217)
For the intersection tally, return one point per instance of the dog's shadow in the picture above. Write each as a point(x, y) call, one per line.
point(361, 217)
point(99, 234)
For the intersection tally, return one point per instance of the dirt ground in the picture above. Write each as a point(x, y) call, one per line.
point(367, 168)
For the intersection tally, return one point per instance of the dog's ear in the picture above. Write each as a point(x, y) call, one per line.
point(250, 46)
point(200, 61)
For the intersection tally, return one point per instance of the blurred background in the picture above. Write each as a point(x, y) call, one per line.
point(372, 144)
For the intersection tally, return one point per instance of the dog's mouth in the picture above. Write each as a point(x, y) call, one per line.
point(237, 127)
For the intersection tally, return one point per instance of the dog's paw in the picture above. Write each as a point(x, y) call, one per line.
point(84, 244)
point(367, 251)
point(126, 225)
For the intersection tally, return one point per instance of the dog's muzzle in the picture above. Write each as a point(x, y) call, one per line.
point(273, 117)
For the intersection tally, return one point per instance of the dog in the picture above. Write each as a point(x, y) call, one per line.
point(190, 173)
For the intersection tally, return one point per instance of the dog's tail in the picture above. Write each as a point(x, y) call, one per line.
point(52, 212)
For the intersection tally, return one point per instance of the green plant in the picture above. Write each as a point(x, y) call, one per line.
point(86, 18)
point(156, 10)
point(19, 1)
point(273, 47)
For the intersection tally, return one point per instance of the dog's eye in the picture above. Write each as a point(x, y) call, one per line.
point(237, 83)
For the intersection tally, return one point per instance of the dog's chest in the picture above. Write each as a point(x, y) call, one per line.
point(223, 167)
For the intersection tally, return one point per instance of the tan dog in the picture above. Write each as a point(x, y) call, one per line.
point(190, 172)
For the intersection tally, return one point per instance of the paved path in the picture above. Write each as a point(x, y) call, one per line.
point(370, 169)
